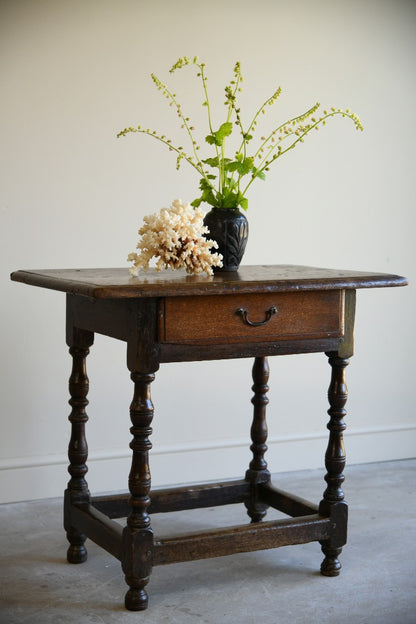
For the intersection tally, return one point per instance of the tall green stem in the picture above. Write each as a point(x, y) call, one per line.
point(201, 67)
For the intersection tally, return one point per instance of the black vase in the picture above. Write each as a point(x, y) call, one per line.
point(229, 228)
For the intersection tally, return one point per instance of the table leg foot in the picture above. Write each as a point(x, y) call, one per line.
point(257, 514)
point(331, 566)
point(77, 553)
point(136, 599)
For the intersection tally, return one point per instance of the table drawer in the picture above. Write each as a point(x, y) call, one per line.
point(251, 317)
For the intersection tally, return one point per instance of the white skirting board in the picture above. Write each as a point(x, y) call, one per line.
point(32, 478)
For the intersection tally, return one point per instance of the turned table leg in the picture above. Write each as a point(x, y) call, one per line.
point(137, 535)
point(77, 491)
point(333, 504)
point(257, 472)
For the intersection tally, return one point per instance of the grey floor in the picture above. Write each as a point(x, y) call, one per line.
point(377, 583)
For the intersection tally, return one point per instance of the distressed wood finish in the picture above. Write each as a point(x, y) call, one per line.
point(297, 315)
point(258, 471)
point(77, 492)
point(178, 498)
point(119, 284)
point(333, 498)
point(137, 535)
point(173, 317)
point(242, 538)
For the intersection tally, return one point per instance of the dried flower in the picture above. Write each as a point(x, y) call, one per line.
point(175, 235)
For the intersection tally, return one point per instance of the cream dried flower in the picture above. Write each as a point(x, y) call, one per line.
point(175, 235)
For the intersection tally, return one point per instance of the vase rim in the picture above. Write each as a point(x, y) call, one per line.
point(225, 208)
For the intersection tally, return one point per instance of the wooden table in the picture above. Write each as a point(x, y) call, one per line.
point(173, 317)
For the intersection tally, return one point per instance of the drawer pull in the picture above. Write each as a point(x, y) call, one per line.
point(244, 315)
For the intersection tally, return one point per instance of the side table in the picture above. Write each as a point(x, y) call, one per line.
point(255, 312)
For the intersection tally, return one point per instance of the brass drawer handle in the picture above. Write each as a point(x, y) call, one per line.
point(244, 315)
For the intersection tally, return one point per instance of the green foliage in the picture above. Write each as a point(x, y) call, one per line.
point(227, 187)
point(218, 138)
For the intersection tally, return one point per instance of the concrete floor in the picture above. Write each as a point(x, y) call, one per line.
point(377, 583)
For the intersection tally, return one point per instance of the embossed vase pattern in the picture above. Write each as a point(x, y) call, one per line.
point(229, 228)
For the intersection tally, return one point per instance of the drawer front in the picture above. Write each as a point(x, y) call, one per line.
point(251, 317)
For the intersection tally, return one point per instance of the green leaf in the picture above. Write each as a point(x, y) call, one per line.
point(204, 185)
point(210, 138)
point(230, 199)
point(243, 203)
point(218, 137)
point(224, 130)
point(212, 162)
point(232, 166)
point(209, 197)
point(258, 174)
point(246, 166)
point(229, 202)
point(243, 167)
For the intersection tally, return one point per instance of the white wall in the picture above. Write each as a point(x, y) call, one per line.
point(75, 72)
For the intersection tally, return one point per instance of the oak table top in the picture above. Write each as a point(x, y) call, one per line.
point(118, 283)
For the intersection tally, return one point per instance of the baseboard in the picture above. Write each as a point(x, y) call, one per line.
point(46, 476)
